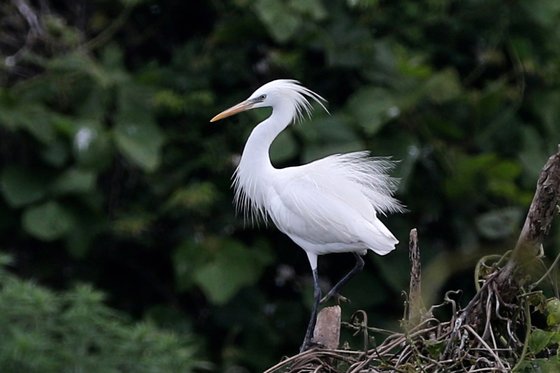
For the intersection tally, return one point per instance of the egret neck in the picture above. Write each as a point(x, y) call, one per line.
point(252, 177)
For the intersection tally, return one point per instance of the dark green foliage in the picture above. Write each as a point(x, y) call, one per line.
point(73, 331)
point(110, 173)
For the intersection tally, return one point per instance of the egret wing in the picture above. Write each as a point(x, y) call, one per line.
point(326, 202)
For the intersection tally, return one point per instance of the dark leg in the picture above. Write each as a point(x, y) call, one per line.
point(307, 341)
point(357, 268)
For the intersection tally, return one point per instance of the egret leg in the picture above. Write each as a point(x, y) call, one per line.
point(335, 289)
point(308, 340)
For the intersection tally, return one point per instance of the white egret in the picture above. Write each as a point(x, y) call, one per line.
point(326, 206)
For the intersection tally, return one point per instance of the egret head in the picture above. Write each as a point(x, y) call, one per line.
point(274, 93)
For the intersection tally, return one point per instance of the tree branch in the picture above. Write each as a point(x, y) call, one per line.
point(511, 277)
point(542, 210)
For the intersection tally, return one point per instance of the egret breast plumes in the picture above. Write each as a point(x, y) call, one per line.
point(327, 206)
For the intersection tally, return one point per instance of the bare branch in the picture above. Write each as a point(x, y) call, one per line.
point(35, 28)
point(541, 212)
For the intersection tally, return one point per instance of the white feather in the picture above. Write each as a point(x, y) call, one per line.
point(329, 205)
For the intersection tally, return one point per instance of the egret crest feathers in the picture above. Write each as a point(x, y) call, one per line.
point(298, 95)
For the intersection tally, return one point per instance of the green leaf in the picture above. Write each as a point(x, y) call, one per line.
point(140, 142)
point(132, 224)
point(500, 223)
point(48, 221)
point(539, 339)
point(132, 3)
point(74, 181)
point(411, 64)
point(408, 151)
point(78, 62)
point(533, 151)
point(546, 107)
point(186, 258)
point(136, 134)
point(326, 135)
point(546, 14)
point(21, 186)
point(372, 107)
point(56, 154)
point(91, 145)
point(280, 21)
point(443, 86)
point(467, 173)
point(194, 196)
point(135, 102)
point(349, 45)
point(236, 266)
point(79, 239)
point(30, 117)
point(435, 348)
point(502, 181)
point(323, 128)
point(170, 101)
point(313, 8)
point(553, 312)
point(543, 365)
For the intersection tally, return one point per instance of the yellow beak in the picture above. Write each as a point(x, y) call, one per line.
point(242, 106)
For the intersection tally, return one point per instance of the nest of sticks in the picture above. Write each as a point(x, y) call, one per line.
point(490, 334)
point(498, 343)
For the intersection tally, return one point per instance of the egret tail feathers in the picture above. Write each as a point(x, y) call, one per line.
point(380, 240)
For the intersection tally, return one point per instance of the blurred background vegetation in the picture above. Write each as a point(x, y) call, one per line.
point(120, 248)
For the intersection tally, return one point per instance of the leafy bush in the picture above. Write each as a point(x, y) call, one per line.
point(74, 331)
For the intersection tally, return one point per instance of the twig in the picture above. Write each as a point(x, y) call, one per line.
point(552, 266)
point(527, 335)
point(35, 30)
point(104, 36)
point(482, 261)
point(475, 334)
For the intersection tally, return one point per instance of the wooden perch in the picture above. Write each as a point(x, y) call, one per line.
point(416, 307)
point(327, 329)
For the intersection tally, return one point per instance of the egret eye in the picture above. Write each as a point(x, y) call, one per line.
point(262, 97)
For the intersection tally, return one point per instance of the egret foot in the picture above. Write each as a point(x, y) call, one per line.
point(334, 291)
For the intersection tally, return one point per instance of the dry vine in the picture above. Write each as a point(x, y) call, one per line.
point(489, 335)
